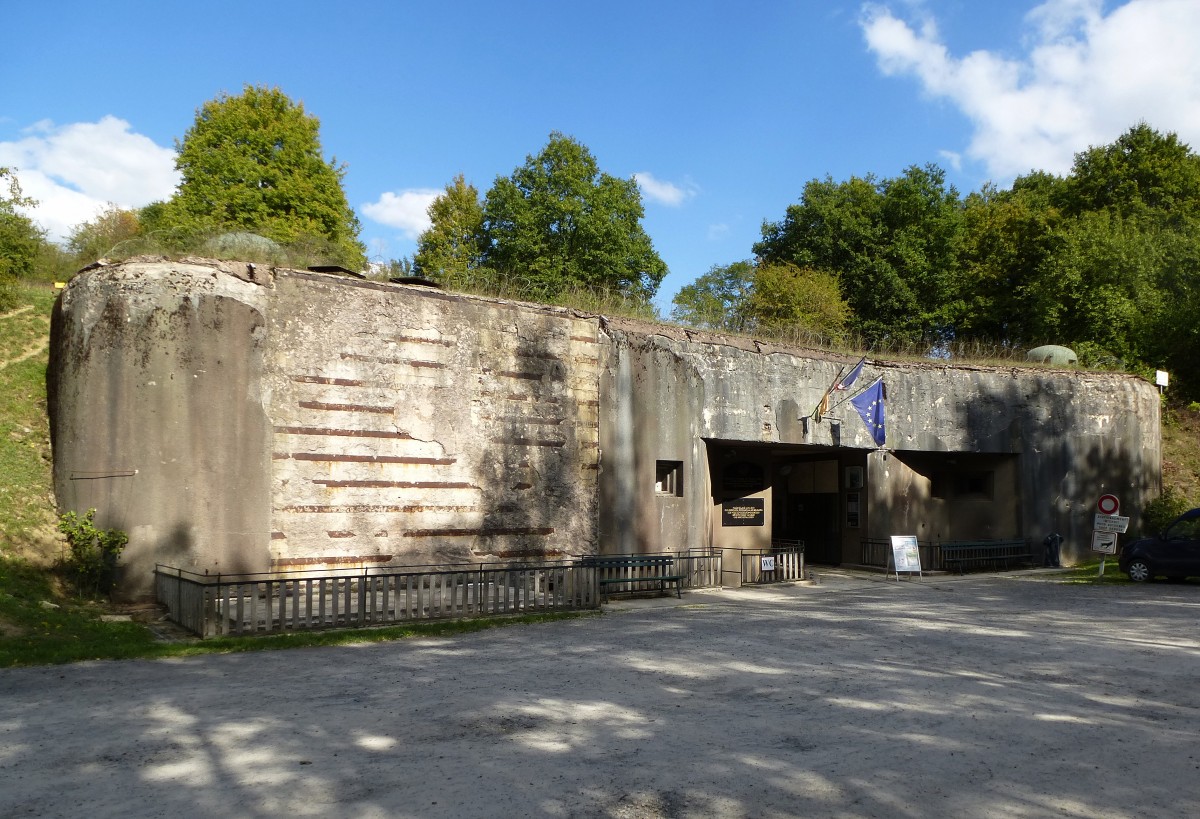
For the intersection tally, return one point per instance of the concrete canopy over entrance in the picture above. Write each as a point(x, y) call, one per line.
point(766, 495)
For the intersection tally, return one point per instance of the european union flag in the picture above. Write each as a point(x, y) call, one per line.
point(869, 404)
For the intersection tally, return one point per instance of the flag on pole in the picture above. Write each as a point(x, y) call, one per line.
point(869, 404)
point(851, 377)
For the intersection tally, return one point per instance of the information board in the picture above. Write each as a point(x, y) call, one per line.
point(906, 557)
point(1104, 542)
point(744, 512)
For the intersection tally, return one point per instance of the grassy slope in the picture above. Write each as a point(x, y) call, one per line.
point(33, 632)
point(1181, 452)
point(27, 520)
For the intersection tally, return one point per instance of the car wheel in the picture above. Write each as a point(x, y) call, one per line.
point(1139, 571)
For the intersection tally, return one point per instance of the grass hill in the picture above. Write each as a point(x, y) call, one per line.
point(27, 518)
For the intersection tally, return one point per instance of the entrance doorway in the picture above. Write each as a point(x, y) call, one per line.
point(813, 518)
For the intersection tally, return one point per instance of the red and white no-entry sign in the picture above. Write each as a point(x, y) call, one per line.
point(1108, 505)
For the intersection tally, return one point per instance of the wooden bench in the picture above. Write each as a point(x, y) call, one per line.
point(615, 571)
point(986, 554)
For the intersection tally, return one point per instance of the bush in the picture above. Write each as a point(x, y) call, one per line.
point(1164, 509)
point(92, 564)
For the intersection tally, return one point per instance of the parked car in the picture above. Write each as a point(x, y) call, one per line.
point(1174, 553)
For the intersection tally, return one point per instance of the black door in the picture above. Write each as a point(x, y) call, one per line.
point(814, 519)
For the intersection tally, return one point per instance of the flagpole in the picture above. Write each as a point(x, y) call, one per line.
point(855, 395)
point(817, 409)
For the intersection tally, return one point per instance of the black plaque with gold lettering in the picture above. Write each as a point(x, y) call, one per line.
point(743, 512)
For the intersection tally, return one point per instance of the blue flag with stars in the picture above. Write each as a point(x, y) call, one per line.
point(869, 404)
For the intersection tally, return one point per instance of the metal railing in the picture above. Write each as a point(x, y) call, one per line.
point(211, 605)
point(878, 552)
point(783, 562)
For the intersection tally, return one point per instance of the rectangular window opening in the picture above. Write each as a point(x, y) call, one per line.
point(668, 478)
point(974, 485)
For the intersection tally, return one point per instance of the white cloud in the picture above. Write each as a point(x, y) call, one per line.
point(952, 158)
point(407, 210)
point(75, 170)
point(1085, 78)
point(664, 193)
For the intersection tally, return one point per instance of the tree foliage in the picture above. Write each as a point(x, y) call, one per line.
point(21, 241)
point(1105, 259)
point(559, 222)
point(716, 300)
point(893, 244)
point(451, 250)
point(98, 238)
point(803, 302)
point(253, 162)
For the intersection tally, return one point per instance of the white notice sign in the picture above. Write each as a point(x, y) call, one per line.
point(1118, 524)
point(768, 563)
point(906, 557)
point(1104, 542)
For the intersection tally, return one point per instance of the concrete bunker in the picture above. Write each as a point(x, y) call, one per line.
point(236, 419)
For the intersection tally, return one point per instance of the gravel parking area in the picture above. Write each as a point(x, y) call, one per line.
point(987, 696)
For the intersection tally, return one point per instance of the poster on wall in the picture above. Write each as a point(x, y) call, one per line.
point(852, 507)
point(744, 512)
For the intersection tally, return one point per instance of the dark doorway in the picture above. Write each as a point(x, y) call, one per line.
point(813, 518)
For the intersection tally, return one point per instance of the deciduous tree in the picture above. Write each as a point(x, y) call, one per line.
point(21, 241)
point(559, 222)
point(802, 301)
point(253, 162)
point(451, 249)
point(716, 300)
point(103, 235)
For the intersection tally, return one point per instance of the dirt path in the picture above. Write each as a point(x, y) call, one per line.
point(982, 697)
point(35, 348)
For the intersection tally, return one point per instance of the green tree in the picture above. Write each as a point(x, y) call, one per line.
point(559, 222)
point(1144, 173)
point(1099, 290)
point(1008, 237)
point(716, 300)
point(451, 249)
point(21, 241)
point(801, 301)
point(893, 244)
point(104, 235)
point(253, 162)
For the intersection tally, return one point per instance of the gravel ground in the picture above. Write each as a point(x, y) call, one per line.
point(986, 696)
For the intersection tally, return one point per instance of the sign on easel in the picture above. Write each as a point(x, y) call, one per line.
point(906, 557)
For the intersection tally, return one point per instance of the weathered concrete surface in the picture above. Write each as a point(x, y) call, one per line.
point(1055, 439)
point(298, 420)
point(158, 417)
point(414, 427)
point(987, 697)
point(236, 420)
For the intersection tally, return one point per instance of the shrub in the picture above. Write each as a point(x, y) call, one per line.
point(1164, 509)
point(92, 563)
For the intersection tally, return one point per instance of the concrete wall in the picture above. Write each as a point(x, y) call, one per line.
point(159, 415)
point(304, 420)
point(1054, 440)
point(234, 420)
point(418, 427)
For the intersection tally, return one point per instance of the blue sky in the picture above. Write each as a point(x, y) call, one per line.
point(722, 111)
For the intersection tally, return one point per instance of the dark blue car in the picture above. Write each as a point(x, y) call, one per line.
point(1174, 553)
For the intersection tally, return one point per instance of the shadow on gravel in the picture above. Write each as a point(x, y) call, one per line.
point(989, 697)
